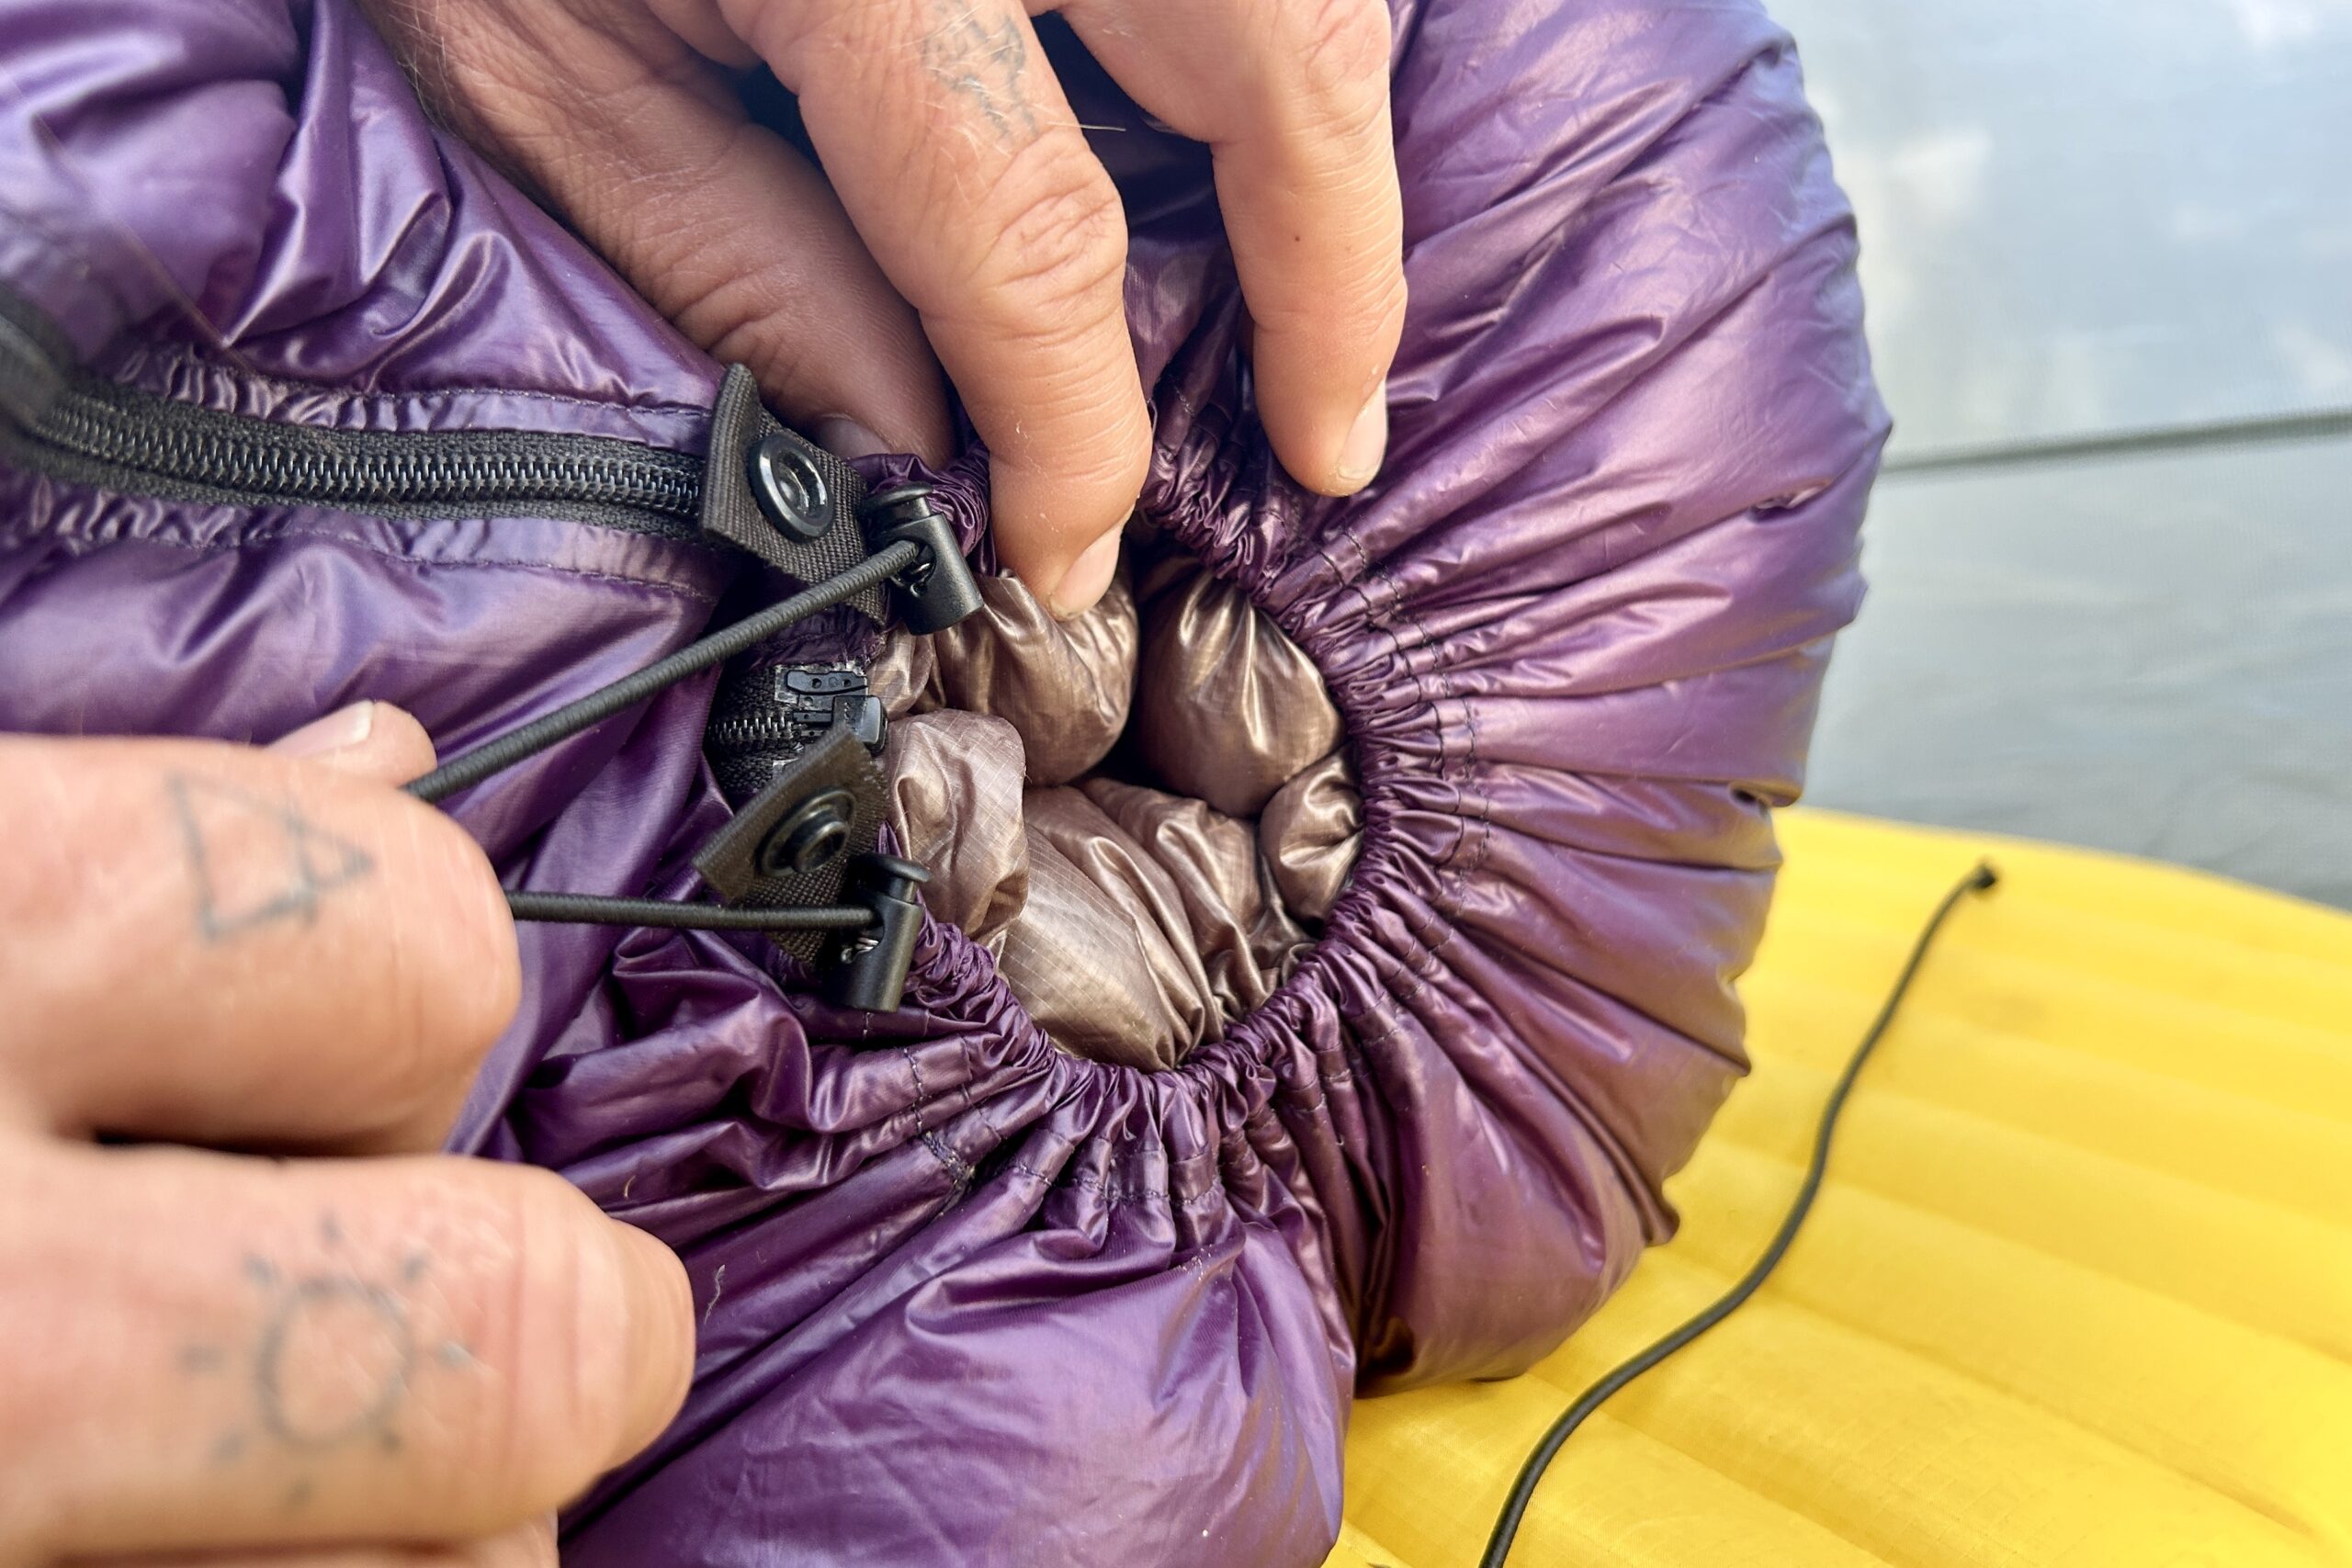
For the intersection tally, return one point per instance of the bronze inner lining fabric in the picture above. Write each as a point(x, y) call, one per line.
point(1144, 813)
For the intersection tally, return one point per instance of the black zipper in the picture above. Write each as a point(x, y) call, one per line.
point(766, 727)
point(761, 720)
point(87, 431)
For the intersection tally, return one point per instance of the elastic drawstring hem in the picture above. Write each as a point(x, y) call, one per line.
point(808, 838)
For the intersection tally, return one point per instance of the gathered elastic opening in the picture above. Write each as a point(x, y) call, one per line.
point(1146, 813)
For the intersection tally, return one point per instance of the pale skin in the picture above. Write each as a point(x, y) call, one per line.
point(255, 1319)
point(960, 220)
point(263, 1322)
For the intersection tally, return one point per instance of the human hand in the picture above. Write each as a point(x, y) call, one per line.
point(323, 1360)
point(972, 220)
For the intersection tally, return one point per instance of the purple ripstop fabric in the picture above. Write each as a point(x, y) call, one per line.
point(966, 1299)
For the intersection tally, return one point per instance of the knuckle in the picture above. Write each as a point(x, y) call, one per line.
point(1061, 245)
point(748, 316)
point(548, 1303)
point(1377, 304)
point(1342, 63)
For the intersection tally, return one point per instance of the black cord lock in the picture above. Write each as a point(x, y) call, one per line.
point(937, 591)
point(798, 861)
point(867, 969)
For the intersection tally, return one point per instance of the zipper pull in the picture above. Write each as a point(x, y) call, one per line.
point(762, 719)
point(814, 701)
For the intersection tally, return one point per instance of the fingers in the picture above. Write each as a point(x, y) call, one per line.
point(367, 740)
point(221, 945)
point(1294, 101)
point(965, 171)
point(728, 232)
point(253, 1354)
point(527, 1546)
point(970, 184)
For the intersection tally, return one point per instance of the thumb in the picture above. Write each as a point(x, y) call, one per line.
point(367, 740)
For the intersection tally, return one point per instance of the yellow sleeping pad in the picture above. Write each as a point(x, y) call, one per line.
point(2078, 1289)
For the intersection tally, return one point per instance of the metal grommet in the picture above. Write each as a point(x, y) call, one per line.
point(792, 493)
point(813, 834)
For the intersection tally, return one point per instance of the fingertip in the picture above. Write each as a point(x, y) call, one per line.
point(325, 736)
point(1057, 527)
point(846, 437)
point(883, 393)
point(1330, 433)
point(527, 1546)
point(366, 739)
point(450, 925)
point(1322, 260)
point(458, 925)
point(658, 1332)
point(398, 749)
point(1088, 577)
point(1365, 446)
point(455, 924)
point(1330, 447)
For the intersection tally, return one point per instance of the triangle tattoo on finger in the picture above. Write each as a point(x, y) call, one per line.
point(237, 893)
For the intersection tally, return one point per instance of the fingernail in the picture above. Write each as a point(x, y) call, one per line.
point(1088, 577)
point(339, 731)
point(658, 1336)
point(844, 437)
point(1367, 442)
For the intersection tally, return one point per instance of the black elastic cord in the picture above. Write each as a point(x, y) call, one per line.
point(1523, 1490)
point(504, 751)
point(590, 909)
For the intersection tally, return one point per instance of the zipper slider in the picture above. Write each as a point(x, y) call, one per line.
point(762, 719)
point(814, 701)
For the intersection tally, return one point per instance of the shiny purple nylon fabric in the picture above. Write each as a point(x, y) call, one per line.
point(966, 1299)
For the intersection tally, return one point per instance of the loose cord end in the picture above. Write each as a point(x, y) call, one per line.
point(1982, 875)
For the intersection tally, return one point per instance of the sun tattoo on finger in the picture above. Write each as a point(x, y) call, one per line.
point(333, 1360)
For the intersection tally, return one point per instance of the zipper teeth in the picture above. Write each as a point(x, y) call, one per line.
point(750, 730)
point(224, 454)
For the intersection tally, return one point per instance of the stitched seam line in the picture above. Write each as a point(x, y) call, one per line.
point(496, 563)
point(192, 355)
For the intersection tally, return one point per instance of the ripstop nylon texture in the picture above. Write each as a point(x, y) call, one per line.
point(962, 1297)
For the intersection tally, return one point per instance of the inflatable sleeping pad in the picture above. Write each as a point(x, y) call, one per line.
point(2078, 1289)
point(1331, 940)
